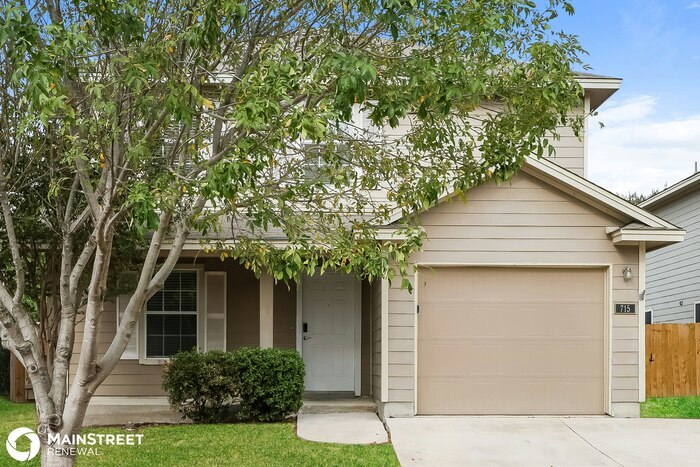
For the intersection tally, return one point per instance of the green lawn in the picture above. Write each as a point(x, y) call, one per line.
point(247, 444)
point(671, 407)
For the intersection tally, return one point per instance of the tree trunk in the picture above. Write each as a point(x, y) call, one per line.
point(57, 454)
point(54, 456)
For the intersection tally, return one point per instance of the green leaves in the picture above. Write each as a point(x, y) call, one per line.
point(287, 134)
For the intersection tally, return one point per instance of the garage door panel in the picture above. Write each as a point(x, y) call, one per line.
point(497, 358)
point(509, 320)
point(511, 341)
point(555, 281)
point(496, 396)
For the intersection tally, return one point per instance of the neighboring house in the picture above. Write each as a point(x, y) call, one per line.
point(513, 309)
point(673, 273)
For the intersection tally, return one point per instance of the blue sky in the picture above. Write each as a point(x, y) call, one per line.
point(652, 124)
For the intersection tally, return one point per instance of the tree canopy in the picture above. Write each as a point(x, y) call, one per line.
point(283, 133)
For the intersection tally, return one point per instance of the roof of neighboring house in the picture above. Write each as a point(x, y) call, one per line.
point(685, 186)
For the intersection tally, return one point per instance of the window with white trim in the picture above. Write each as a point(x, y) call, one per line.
point(649, 316)
point(697, 312)
point(171, 316)
point(359, 127)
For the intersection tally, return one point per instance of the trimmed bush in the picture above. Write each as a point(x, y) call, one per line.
point(200, 385)
point(270, 382)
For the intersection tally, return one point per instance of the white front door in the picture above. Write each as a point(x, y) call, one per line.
point(329, 307)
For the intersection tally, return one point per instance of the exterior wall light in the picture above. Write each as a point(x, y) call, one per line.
point(627, 273)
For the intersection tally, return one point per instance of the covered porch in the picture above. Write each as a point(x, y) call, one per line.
point(221, 305)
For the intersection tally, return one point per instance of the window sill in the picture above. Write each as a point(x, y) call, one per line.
point(153, 361)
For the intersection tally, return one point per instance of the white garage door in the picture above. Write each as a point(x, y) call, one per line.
point(511, 341)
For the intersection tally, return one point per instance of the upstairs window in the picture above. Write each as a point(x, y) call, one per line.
point(359, 128)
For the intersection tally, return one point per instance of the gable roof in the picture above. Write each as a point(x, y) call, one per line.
point(673, 192)
point(593, 194)
point(640, 225)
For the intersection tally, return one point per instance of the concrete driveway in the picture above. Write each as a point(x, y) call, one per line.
point(545, 441)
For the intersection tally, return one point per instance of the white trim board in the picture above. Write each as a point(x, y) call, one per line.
point(586, 119)
point(625, 236)
point(641, 346)
point(598, 83)
point(385, 340)
point(651, 313)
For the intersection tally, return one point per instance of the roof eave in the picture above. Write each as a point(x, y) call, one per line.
point(595, 194)
point(652, 238)
point(385, 234)
point(599, 89)
point(673, 192)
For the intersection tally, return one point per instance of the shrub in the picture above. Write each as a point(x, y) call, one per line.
point(270, 382)
point(200, 385)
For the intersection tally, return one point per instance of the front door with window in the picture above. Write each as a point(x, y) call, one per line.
point(329, 310)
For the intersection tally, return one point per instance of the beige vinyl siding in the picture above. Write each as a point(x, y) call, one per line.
point(130, 378)
point(401, 342)
point(376, 349)
point(525, 221)
point(570, 149)
point(243, 319)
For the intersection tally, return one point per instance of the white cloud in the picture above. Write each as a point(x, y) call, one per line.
point(636, 152)
point(628, 110)
point(693, 6)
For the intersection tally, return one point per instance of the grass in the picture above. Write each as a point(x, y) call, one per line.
point(671, 407)
point(250, 444)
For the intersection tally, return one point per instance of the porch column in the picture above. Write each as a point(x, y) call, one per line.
point(266, 310)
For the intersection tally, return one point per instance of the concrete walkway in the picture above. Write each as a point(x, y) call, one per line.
point(545, 441)
point(344, 428)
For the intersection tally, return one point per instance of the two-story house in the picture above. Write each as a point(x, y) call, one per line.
point(526, 300)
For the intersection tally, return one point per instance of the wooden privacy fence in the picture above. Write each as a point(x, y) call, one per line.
point(20, 388)
point(672, 360)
